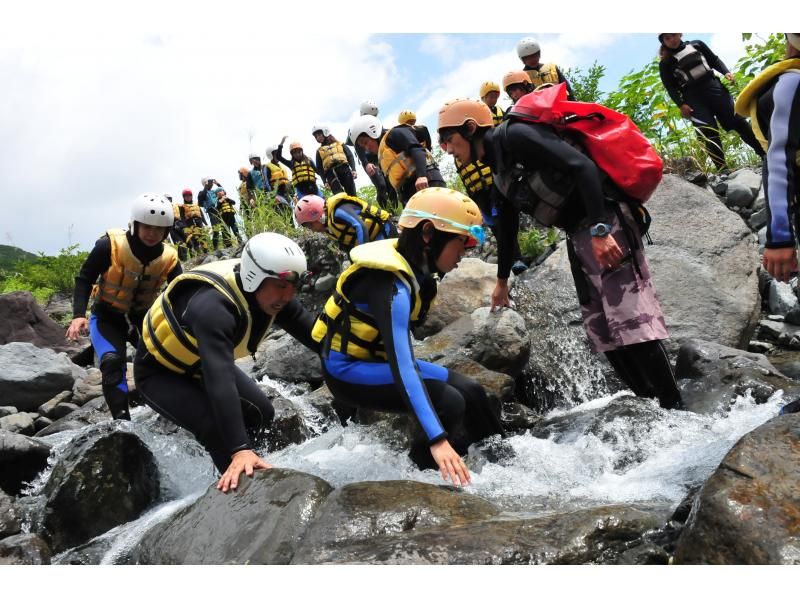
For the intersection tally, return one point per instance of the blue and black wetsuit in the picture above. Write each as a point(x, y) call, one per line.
point(444, 403)
point(350, 215)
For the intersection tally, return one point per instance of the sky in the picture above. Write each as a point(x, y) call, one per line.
point(100, 104)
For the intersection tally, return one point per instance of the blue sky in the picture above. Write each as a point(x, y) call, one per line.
point(104, 106)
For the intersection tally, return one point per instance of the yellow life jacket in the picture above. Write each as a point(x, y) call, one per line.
point(303, 172)
point(342, 326)
point(374, 217)
point(476, 176)
point(546, 73)
point(277, 175)
point(332, 155)
point(176, 209)
point(192, 210)
point(497, 115)
point(747, 102)
point(398, 167)
point(225, 207)
point(128, 285)
point(173, 346)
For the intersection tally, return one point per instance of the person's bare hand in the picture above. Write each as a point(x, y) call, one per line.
point(242, 461)
point(78, 327)
point(500, 297)
point(607, 252)
point(371, 170)
point(780, 263)
point(451, 465)
point(686, 110)
point(421, 183)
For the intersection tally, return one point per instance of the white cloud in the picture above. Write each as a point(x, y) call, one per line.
point(445, 48)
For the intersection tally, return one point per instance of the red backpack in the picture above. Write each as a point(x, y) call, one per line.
point(610, 139)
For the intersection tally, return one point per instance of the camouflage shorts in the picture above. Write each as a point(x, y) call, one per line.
point(623, 308)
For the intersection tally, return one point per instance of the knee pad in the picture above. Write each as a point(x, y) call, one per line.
point(112, 367)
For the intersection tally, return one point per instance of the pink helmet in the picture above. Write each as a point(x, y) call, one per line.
point(309, 208)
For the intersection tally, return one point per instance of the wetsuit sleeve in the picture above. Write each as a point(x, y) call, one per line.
point(97, 262)
point(318, 160)
point(350, 159)
point(298, 321)
point(402, 139)
point(538, 146)
point(426, 136)
point(212, 321)
point(348, 215)
point(175, 272)
point(714, 61)
point(665, 70)
point(563, 79)
point(507, 229)
point(362, 157)
point(282, 160)
point(780, 169)
point(389, 302)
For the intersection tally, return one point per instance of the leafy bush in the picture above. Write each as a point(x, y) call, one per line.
point(534, 242)
point(586, 86)
point(46, 275)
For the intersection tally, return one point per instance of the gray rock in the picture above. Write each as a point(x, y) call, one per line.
point(325, 283)
point(461, 292)
point(103, 479)
point(781, 298)
point(8, 410)
point(762, 237)
point(22, 320)
point(18, 423)
point(93, 412)
point(747, 178)
point(24, 549)
point(720, 187)
point(516, 417)
point(499, 387)
point(41, 423)
point(30, 376)
point(64, 409)
point(261, 522)
point(365, 511)
point(758, 219)
point(21, 460)
point(747, 511)
point(739, 195)
point(46, 409)
point(87, 388)
point(287, 427)
point(780, 333)
point(760, 203)
point(284, 358)
point(10, 523)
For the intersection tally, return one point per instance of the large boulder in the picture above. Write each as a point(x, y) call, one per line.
point(498, 341)
point(93, 412)
point(22, 320)
point(460, 293)
point(261, 522)
point(30, 376)
point(372, 510)
point(104, 478)
point(281, 357)
point(24, 549)
point(10, 523)
point(747, 512)
point(21, 460)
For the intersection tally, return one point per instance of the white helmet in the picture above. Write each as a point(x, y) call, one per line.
point(527, 46)
point(369, 107)
point(252, 156)
point(270, 149)
point(365, 124)
point(324, 128)
point(152, 209)
point(270, 255)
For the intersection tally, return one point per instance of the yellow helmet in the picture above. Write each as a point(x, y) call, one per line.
point(448, 210)
point(489, 86)
point(406, 116)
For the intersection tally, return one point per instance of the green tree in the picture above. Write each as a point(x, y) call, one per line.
point(586, 85)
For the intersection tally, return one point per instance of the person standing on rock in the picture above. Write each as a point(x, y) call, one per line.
point(772, 101)
point(205, 319)
point(687, 71)
point(367, 357)
point(131, 267)
point(546, 175)
point(348, 220)
point(530, 53)
point(335, 161)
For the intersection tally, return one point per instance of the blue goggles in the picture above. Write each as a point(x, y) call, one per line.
point(475, 231)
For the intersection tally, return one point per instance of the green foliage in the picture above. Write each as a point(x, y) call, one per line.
point(533, 242)
point(586, 85)
point(266, 217)
point(46, 275)
point(759, 55)
point(9, 256)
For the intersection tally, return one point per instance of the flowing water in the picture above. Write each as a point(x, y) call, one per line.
point(648, 456)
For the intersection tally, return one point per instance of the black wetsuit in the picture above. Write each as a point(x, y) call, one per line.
point(220, 407)
point(304, 187)
point(444, 403)
point(709, 99)
point(402, 138)
point(340, 176)
point(110, 329)
point(383, 191)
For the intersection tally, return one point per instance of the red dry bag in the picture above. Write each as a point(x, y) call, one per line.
point(610, 139)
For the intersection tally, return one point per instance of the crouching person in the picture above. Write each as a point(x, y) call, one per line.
point(208, 317)
point(364, 330)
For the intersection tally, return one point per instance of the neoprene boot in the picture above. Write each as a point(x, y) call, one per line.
point(117, 401)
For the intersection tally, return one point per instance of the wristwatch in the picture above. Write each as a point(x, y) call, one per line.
point(601, 229)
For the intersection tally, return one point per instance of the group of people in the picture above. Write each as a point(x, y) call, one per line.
point(189, 335)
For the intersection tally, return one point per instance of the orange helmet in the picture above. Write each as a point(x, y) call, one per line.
point(513, 77)
point(406, 116)
point(295, 145)
point(457, 112)
point(489, 86)
point(244, 171)
point(448, 210)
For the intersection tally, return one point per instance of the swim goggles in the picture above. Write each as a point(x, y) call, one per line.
point(290, 276)
point(475, 231)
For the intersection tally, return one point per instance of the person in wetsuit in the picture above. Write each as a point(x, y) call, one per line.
point(348, 220)
point(538, 172)
point(304, 173)
point(205, 319)
point(687, 71)
point(364, 331)
point(335, 161)
point(131, 267)
point(404, 160)
point(530, 53)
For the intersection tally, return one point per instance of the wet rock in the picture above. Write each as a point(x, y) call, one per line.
point(374, 510)
point(499, 387)
point(30, 376)
point(284, 358)
point(287, 428)
point(516, 417)
point(591, 536)
point(42, 422)
point(747, 512)
point(18, 423)
point(461, 292)
point(64, 409)
point(21, 460)
point(781, 298)
point(261, 522)
point(104, 478)
point(46, 409)
point(93, 412)
point(738, 195)
point(24, 549)
point(91, 553)
point(759, 347)
point(88, 388)
point(779, 333)
point(22, 320)
point(10, 523)
point(498, 341)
